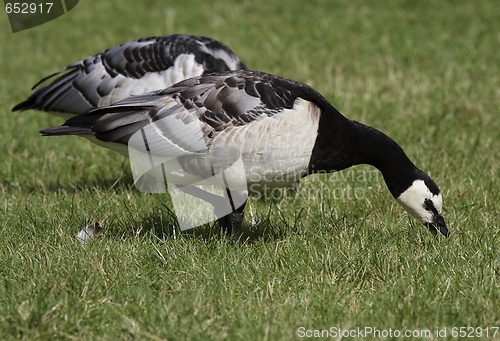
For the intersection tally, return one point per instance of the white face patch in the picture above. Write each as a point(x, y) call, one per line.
point(413, 201)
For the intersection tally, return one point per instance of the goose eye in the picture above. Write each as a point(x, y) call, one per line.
point(428, 204)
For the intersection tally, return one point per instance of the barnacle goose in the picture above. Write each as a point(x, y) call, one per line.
point(132, 68)
point(282, 129)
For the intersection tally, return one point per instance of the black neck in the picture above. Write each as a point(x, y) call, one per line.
point(343, 143)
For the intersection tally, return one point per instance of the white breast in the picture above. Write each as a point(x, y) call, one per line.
point(275, 150)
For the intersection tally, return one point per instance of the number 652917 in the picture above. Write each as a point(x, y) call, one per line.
point(27, 8)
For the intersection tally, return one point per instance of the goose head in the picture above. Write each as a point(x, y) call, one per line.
point(424, 201)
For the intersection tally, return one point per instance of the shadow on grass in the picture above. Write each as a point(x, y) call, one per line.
point(163, 225)
point(269, 225)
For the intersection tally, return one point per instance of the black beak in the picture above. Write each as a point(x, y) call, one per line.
point(438, 225)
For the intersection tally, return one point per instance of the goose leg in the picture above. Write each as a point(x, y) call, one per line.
point(236, 219)
point(233, 222)
point(225, 225)
point(237, 201)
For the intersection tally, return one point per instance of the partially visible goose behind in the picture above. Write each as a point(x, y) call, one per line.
point(282, 130)
point(132, 68)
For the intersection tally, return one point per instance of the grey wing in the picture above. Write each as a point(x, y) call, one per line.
point(132, 68)
point(215, 101)
point(240, 97)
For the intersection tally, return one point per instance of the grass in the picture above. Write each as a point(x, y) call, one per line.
point(425, 72)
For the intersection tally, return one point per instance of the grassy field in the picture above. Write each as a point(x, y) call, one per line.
point(340, 254)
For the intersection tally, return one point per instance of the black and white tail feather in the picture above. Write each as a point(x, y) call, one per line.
point(282, 129)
